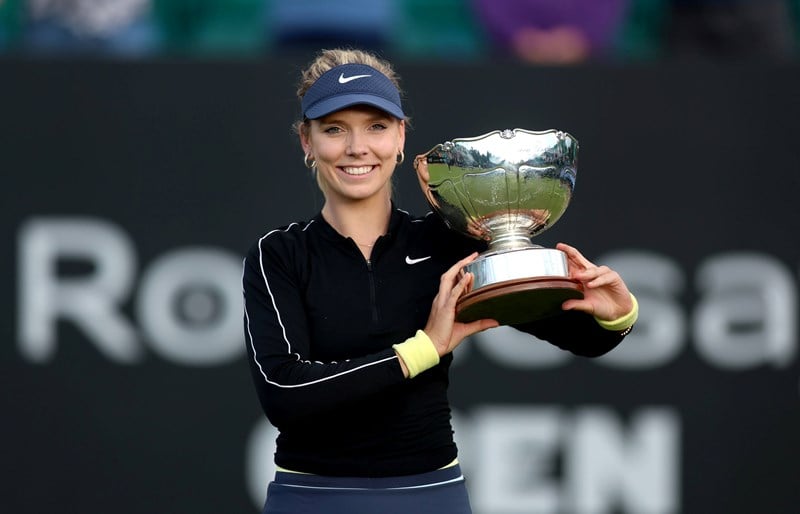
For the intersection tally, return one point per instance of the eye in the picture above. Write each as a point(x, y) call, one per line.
point(332, 130)
point(378, 126)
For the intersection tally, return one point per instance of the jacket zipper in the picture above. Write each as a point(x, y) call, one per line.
point(372, 294)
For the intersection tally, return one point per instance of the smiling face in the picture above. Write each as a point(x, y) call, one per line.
point(356, 152)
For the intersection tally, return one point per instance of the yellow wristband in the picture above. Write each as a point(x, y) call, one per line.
point(623, 322)
point(418, 353)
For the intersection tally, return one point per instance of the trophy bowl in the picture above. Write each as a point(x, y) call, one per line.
point(505, 187)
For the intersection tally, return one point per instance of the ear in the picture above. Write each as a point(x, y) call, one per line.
point(402, 135)
point(305, 140)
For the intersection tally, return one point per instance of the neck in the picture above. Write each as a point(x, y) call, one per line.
point(363, 222)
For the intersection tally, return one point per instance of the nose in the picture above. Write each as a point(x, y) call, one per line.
point(356, 144)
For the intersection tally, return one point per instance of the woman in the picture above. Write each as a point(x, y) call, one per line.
point(349, 317)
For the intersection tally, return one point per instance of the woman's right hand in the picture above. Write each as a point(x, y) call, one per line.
point(442, 327)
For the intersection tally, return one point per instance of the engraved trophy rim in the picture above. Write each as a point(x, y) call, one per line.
point(503, 133)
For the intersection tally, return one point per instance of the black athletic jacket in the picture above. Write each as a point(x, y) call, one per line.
point(319, 325)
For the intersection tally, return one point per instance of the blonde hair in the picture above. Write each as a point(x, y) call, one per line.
point(331, 58)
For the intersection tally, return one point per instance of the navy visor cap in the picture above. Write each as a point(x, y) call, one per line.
point(348, 85)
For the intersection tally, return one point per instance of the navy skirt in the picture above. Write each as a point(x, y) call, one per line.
point(437, 492)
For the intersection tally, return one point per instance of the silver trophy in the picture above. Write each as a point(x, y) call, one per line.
point(505, 187)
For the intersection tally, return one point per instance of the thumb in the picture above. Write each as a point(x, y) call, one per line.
point(473, 327)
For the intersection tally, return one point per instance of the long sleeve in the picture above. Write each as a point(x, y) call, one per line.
point(291, 383)
point(576, 332)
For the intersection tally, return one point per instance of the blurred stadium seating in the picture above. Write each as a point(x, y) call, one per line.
point(416, 29)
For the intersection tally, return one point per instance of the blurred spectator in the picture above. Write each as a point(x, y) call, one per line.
point(733, 29)
point(89, 26)
point(312, 24)
point(574, 31)
point(641, 34)
point(203, 27)
point(553, 31)
point(10, 23)
point(438, 29)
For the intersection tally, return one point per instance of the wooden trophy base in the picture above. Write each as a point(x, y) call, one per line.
point(518, 301)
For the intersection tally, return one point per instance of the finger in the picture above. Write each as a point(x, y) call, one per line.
point(473, 327)
point(452, 274)
point(470, 282)
point(456, 268)
point(590, 274)
point(599, 277)
point(452, 277)
point(466, 260)
point(575, 255)
point(601, 281)
point(460, 287)
point(578, 305)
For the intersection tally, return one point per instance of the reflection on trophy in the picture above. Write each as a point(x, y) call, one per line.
point(505, 187)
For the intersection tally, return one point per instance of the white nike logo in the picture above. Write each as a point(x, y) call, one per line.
point(409, 260)
point(345, 80)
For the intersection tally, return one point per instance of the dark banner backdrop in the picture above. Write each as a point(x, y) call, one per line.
point(130, 192)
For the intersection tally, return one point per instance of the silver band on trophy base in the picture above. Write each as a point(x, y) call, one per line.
point(505, 187)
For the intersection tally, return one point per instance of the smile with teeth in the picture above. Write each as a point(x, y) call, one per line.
point(357, 170)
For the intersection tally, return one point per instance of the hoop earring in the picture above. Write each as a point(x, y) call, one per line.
point(309, 161)
point(400, 157)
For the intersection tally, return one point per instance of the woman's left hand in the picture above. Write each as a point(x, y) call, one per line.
point(605, 295)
